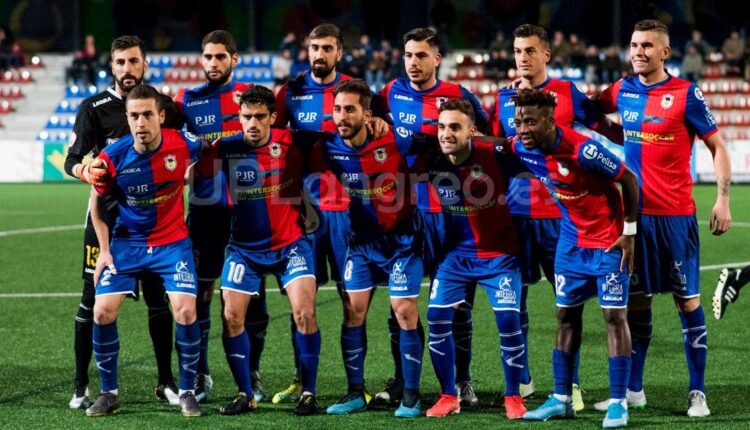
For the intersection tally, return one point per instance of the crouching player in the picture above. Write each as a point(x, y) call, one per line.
point(264, 173)
point(595, 250)
point(481, 247)
point(146, 176)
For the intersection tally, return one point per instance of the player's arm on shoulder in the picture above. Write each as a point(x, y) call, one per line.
point(102, 233)
point(721, 217)
point(481, 117)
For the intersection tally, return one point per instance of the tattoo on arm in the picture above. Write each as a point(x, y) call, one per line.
point(724, 186)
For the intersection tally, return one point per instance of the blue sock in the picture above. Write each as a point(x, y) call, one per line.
point(619, 374)
point(188, 340)
point(524, 314)
point(462, 331)
point(695, 339)
point(512, 349)
point(237, 351)
point(203, 310)
point(576, 360)
point(106, 351)
point(309, 356)
point(354, 350)
point(442, 347)
point(562, 370)
point(411, 358)
point(639, 323)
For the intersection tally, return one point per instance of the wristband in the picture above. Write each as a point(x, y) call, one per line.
point(77, 170)
point(630, 228)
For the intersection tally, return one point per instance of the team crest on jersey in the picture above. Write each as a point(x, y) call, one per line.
point(440, 100)
point(476, 171)
point(380, 155)
point(170, 162)
point(275, 150)
point(236, 96)
point(667, 100)
point(562, 169)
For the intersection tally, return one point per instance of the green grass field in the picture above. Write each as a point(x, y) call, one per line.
point(36, 341)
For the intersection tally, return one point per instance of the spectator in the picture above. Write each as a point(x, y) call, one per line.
point(302, 63)
point(499, 64)
point(366, 46)
point(577, 52)
point(611, 66)
point(593, 65)
point(701, 45)
point(692, 64)
point(85, 64)
point(560, 49)
point(500, 42)
point(290, 42)
point(375, 73)
point(395, 68)
point(282, 66)
point(733, 50)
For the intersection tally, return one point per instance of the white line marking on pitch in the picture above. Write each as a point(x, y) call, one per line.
point(324, 288)
point(41, 230)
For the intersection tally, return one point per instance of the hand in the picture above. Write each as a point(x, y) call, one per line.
point(627, 245)
point(377, 128)
point(95, 173)
point(515, 84)
point(104, 261)
point(721, 218)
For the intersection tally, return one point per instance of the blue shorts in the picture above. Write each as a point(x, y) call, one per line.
point(173, 263)
point(582, 273)
point(394, 259)
point(208, 227)
point(537, 244)
point(667, 256)
point(499, 276)
point(331, 240)
point(244, 270)
point(434, 241)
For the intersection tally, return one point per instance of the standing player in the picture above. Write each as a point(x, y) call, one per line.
point(661, 115)
point(306, 103)
point(264, 171)
point(100, 121)
point(534, 211)
point(481, 246)
point(413, 106)
point(210, 112)
point(728, 288)
point(594, 247)
point(147, 171)
point(384, 244)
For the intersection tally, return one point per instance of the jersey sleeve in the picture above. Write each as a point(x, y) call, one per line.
point(380, 106)
point(495, 128)
point(595, 158)
point(481, 119)
point(585, 110)
point(193, 144)
point(282, 113)
point(697, 113)
point(607, 100)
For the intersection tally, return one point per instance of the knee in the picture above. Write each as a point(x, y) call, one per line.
point(687, 305)
point(304, 318)
point(185, 313)
point(233, 320)
point(104, 315)
point(615, 317)
point(406, 315)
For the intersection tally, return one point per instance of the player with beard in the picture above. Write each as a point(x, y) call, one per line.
point(211, 112)
point(100, 121)
point(306, 103)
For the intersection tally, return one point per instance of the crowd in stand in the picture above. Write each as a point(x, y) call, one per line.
point(11, 54)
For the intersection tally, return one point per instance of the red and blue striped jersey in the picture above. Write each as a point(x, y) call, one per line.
point(414, 111)
point(473, 196)
point(307, 105)
point(528, 197)
point(211, 112)
point(660, 122)
point(264, 189)
point(376, 177)
point(148, 187)
point(580, 174)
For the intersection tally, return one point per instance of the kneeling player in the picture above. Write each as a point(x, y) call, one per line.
point(593, 248)
point(481, 249)
point(146, 173)
point(264, 171)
